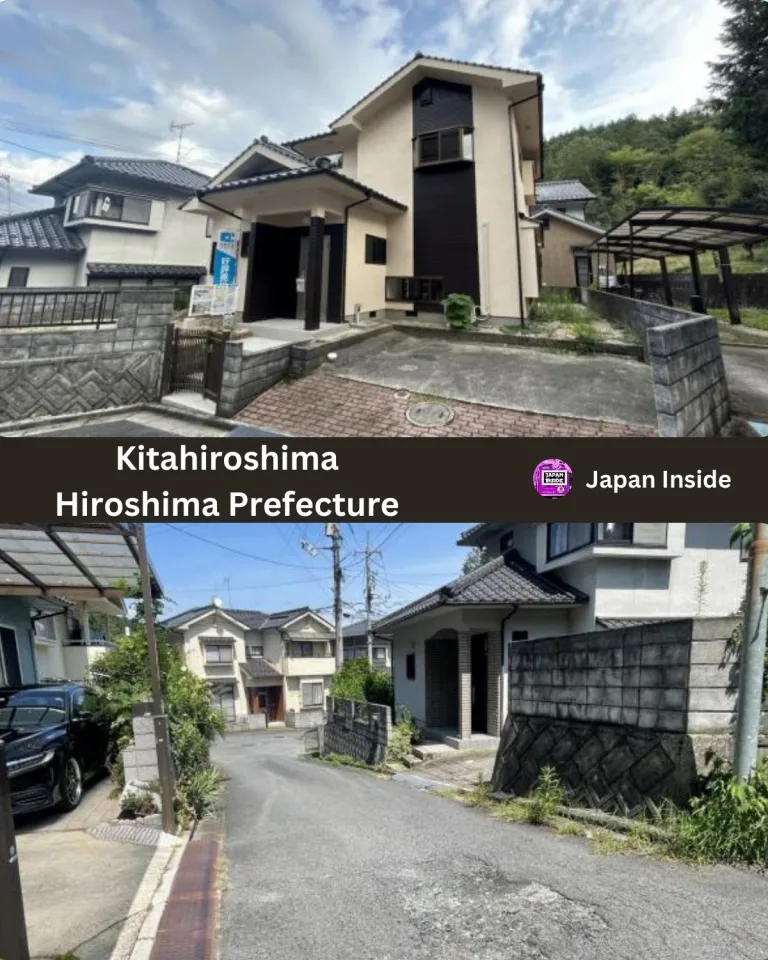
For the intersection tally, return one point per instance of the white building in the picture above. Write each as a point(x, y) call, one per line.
point(114, 221)
point(449, 648)
point(262, 667)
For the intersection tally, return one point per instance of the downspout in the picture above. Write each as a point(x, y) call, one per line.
point(505, 669)
point(515, 183)
point(349, 207)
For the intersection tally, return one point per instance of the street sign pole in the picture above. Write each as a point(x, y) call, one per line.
point(13, 927)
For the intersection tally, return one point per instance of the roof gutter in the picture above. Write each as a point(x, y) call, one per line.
point(213, 206)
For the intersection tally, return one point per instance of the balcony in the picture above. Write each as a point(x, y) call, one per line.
point(569, 543)
point(308, 666)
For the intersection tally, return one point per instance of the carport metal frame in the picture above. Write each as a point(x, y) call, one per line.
point(686, 230)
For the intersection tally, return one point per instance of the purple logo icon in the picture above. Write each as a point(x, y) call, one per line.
point(552, 478)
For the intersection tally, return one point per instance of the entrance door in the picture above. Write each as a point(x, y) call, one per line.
point(480, 683)
point(583, 267)
point(301, 291)
point(9, 657)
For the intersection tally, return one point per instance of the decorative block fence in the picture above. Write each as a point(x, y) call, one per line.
point(357, 729)
point(683, 349)
point(626, 717)
point(49, 371)
point(140, 757)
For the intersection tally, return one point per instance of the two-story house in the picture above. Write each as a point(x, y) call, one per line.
point(356, 645)
point(114, 221)
point(566, 233)
point(263, 668)
point(419, 190)
point(449, 648)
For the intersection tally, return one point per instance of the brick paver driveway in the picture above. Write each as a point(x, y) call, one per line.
point(323, 405)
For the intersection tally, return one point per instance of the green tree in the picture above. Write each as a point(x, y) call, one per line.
point(358, 680)
point(476, 558)
point(740, 76)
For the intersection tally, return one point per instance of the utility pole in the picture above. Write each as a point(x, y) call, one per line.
point(369, 585)
point(7, 178)
point(162, 737)
point(332, 531)
point(181, 127)
point(752, 656)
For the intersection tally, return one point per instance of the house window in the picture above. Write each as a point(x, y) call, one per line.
point(565, 537)
point(380, 654)
point(518, 635)
point(245, 242)
point(312, 694)
point(303, 649)
point(78, 205)
point(615, 532)
point(414, 289)
point(375, 249)
point(45, 629)
point(218, 653)
point(425, 97)
point(254, 652)
point(444, 146)
point(410, 666)
point(18, 276)
point(111, 206)
point(209, 227)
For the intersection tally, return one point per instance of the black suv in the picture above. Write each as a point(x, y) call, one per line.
point(53, 745)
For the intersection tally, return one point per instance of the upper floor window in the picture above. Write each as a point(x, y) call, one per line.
point(444, 146)
point(375, 249)
point(45, 629)
point(103, 205)
point(254, 651)
point(218, 653)
point(564, 538)
point(18, 276)
point(303, 649)
point(380, 654)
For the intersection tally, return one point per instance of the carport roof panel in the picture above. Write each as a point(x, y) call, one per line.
point(666, 231)
point(90, 559)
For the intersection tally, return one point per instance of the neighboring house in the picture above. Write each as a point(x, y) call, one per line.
point(114, 221)
point(356, 645)
point(419, 190)
point(53, 581)
point(560, 210)
point(449, 648)
point(271, 667)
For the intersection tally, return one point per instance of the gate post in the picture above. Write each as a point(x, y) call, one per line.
point(169, 359)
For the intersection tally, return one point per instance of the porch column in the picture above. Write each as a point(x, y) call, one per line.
point(697, 300)
point(494, 683)
point(314, 280)
point(465, 685)
point(249, 313)
point(726, 274)
point(665, 282)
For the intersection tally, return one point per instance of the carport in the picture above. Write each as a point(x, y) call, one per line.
point(658, 232)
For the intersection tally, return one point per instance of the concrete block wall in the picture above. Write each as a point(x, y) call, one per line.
point(46, 372)
point(359, 730)
point(246, 375)
point(683, 349)
point(465, 685)
point(626, 717)
point(494, 683)
point(689, 385)
point(140, 758)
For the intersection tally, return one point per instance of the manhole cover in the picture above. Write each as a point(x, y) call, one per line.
point(402, 395)
point(429, 414)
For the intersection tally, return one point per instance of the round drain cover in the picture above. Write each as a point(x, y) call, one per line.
point(429, 414)
point(402, 395)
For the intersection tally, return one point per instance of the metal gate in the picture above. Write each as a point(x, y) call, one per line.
point(197, 362)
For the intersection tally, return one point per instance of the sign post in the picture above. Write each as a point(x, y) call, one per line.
point(225, 259)
point(13, 927)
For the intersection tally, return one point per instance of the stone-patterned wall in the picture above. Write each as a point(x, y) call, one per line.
point(46, 372)
point(140, 758)
point(465, 685)
point(246, 375)
point(624, 716)
point(494, 683)
point(358, 730)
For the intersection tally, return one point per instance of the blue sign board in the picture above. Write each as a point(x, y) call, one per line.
point(225, 259)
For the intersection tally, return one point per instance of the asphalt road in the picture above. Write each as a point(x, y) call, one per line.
point(333, 862)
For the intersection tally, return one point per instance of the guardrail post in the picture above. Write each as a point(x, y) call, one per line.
point(13, 928)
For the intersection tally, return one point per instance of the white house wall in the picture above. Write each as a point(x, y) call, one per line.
point(42, 272)
point(365, 281)
point(225, 631)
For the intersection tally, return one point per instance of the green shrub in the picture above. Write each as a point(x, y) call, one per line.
point(358, 680)
point(459, 311)
point(546, 797)
point(198, 795)
point(402, 737)
point(727, 821)
point(138, 805)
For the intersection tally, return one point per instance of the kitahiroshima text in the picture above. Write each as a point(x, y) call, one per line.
point(700, 480)
point(237, 506)
point(139, 457)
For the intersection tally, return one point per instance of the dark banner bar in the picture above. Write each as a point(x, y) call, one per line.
point(44, 480)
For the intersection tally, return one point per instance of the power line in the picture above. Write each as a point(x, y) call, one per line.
point(391, 534)
point(242, 553)
point(21, 146)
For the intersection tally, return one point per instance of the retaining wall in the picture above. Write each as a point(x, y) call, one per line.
point(626, 717)
point(750, 289)
point(358, 730)
point(44, 372)
point(683, 349)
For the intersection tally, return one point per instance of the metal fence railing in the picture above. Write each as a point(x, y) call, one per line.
point(20, 308)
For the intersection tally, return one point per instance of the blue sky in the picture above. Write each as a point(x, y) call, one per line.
point(197, 562)
point(120, 71)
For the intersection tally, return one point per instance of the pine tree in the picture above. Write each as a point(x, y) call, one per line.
point(740, 77)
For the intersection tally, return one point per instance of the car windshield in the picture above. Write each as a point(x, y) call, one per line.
point(33, 710)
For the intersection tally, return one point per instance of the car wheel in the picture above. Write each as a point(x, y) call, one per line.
point(70, 784)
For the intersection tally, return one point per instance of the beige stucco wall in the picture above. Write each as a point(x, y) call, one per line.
point(557, 264)
point(385, 162)
point(42, 273)
point(365, 281)
point(349, 162)
point(193, 654)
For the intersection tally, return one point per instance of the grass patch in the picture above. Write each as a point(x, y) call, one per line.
point(564, 827)
point(587, 337)
point(511, 812)
point(637, 841)
point(754, 317)
point(556, 307)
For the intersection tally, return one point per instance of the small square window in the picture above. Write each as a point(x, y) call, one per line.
point(375, 250)
point(425, 97)
point(410, 666)
point(254, 652)
point(430, 148)
point(380, 653)
point(18, 276)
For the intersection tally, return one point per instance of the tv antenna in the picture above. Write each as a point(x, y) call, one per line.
point(181, 127)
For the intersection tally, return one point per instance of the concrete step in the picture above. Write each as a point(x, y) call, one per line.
point(431, 751)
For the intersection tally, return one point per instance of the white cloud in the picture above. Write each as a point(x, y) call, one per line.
point(121, 72)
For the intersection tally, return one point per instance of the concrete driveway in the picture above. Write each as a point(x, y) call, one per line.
point(78, 891)
point(519, 378)
point(326, 861)
point(746, 369)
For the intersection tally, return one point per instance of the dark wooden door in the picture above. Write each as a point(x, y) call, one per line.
point(198, 362)
point(480, 683)
point(214, 366)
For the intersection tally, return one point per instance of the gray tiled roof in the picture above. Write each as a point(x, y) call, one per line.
point(507, 580)
point(298, 175)
point(561, 191)
point(356, 629)
point(286, 149)
point(39, 230)
point(619, 623)
point(260, 669)
point(251, 618)
point(166, 270)
point(164, 172)
point(275, 620)
point(466, 534)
